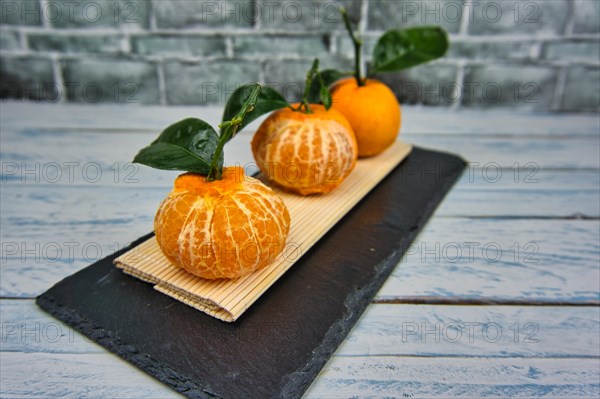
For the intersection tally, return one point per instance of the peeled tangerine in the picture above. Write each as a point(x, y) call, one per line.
point(305, 153)
point(221, 229)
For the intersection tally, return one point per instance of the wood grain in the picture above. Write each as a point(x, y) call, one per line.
point(373, 361)
point(577, 152)
point(383, 355)
point(419, 274)
point(104, 375)
point(383, 330)
point(541, 260)
point(402, 377)
point(90, 375)
point(415, 119)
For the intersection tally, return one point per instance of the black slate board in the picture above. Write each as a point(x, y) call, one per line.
point(280, 344)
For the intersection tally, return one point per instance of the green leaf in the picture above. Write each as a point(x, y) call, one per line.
point(268, 100)
point(325, 96)
point(404, 48)
point(187, 145)
point(329, 76)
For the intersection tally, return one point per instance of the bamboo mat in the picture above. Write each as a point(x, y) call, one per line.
point(311, 217)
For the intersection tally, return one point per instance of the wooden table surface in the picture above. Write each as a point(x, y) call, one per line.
point(498, 297)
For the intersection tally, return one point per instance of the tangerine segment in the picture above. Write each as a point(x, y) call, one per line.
point(305, 153)
point(372, 110)
point(221, 229)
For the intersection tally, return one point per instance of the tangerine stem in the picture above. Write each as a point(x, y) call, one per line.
point(307, 85)
point(357, 42)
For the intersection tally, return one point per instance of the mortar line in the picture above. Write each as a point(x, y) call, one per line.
point(244, 31)
point(261, 72)
point(570, 23)
point(23, 40)
point(59, 79)
point(151, 18)
point(559, 89)
point(229, 47)
point(460, 79)
point(362, 29)
point(44, 6)
point(257, 18)
point(464, 22)
point(162, 87)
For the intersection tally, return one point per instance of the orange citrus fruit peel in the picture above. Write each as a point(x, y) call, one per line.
point(307, 153)
point(372, 110)
point(224, 228)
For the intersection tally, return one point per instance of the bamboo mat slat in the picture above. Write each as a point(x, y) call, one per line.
point(311, 217)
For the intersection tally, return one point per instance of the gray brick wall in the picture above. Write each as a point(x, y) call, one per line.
point(536, 55)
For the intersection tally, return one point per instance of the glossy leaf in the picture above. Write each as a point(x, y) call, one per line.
point(325, 96)
point(404, 48)
point(329, 77)
point(187, 145)
point(268, 100)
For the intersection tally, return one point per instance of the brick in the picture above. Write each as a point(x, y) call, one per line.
point(28, 78)
point(208, 14)
point(75, 43)
point(522, 87)
point(127, 14)
point(582, 89)
point(573, 50)
point(288, 76)
point(9, 40)
point(314, 15)
point(111, 81)
point(394, 14)
point(21, 12)
point(206, 82)
point(490, 17)
point(491, 50)
point(266, 45)
point(587, 16)
point(179, 45)
point(432, 84)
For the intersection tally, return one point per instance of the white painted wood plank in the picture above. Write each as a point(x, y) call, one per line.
point(524, 193)
point(47, 236)
point(410, 377)
point(503, 259)
point(27, 328)
point(493, 152)
point(475, 331)
point(81, 147)
point(552, 194)
point(383, 330)
point(415, 119)
point(548, 141)
point(97, 375)
point(31, 375)
point(392, 349)
point(101, 116)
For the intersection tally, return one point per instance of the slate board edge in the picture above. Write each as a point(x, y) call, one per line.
point(176, 380)
point(297, 382)
point(338, 331)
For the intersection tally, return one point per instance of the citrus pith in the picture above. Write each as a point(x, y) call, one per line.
point(224, 228)
point(308, 153)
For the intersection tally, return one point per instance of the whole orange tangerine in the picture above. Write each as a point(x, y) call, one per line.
point(307, 153)
point(372, 110)
point(224, 228)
